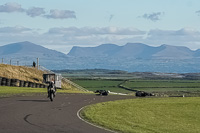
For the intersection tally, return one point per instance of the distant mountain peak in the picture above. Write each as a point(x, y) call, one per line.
point(134, 44)
point(23, 43)
point(108, 45)
point(26, 42)
point(27, 48)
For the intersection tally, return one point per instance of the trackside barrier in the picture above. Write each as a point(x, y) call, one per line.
point(20, 83)
point(75, 85)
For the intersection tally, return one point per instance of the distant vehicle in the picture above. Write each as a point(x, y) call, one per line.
point(102, 92)
point(143, 94)
point(47, 78)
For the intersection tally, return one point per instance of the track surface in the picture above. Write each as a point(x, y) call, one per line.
point(36, 114)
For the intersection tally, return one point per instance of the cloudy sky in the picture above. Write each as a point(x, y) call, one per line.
point(62, 24)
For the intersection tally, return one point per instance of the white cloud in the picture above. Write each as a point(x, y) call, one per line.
point(11, 7)
point(184, 37)
point(89, 31)
point(185, 32)
point(35, 11)
point(14, 30)
point(153, 16)
point(61, 14)
point(198, 13)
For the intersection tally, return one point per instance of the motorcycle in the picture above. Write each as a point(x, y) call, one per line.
point(52, 92)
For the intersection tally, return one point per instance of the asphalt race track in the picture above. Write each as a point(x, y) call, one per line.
point(36, 114)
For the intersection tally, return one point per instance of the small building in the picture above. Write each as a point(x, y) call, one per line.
point(47, 78)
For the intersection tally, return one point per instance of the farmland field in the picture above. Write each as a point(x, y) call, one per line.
point(168, 87)
point(158, 87)
point(102, 84)
point(123, 82)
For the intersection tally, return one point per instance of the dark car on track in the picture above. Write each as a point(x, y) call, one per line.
point(102, 92)
point(143, 94)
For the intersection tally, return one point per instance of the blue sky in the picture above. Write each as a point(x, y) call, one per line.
point(62, 24)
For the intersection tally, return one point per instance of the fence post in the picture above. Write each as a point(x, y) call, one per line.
point(37, 63)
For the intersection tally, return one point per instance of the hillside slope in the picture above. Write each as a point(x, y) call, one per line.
point(28, 74)
point(21, 73)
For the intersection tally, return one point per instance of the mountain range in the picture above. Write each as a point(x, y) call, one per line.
point(135, 50)
point(129, 57)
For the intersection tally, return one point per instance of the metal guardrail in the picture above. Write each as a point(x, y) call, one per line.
point(75, 85)
point(45, 69)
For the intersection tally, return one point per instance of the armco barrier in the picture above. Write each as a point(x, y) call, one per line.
point(37, 85)
point(26, 83)
point(0, 80)
point(33, 85)
point(3, 82)
point(8, 82)
point(30, 84)
point(15, 82)
point(20, 83)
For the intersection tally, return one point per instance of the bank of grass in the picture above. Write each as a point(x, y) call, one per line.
point(6, 91)
point(22, 73)
point(147, 115)
point(29, 74)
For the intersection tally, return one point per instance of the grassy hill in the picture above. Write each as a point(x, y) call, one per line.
point(21, 73)
point(28, 74)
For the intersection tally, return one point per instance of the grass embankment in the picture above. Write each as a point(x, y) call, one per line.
point(27, 74)
point(21, 73)
point(147, 115)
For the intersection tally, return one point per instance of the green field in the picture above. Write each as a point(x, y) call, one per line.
point(147, 115)
point(102, 84)
point(166, 87)
point(149, 84)
point(159, 87)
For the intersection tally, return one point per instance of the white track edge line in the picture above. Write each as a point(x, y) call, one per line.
point(78, 114)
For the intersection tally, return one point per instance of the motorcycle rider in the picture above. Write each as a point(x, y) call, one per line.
point(51, 85)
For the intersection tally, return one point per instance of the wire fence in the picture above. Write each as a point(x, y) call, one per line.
point(16, 62)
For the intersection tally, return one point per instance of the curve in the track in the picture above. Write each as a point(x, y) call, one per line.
point(36, 114)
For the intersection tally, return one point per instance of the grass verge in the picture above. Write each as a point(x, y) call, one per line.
point(147, 115)
point(6, 91)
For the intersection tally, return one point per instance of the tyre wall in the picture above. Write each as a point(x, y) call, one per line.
point(20, 83)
